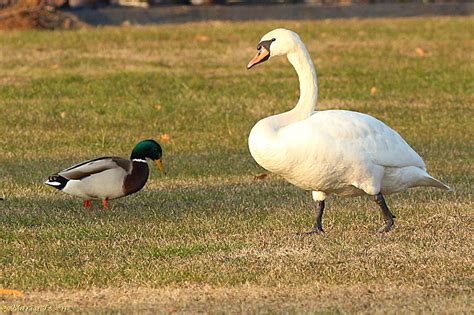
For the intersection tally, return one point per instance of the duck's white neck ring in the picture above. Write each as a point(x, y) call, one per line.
point(139, 160)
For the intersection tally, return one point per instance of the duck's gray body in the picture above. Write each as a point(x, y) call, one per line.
point(102, 178)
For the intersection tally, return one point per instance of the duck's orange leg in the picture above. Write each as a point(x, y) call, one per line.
point(105, 203)
point(87, 203)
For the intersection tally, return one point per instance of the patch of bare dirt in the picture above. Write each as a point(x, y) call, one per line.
point(27, 14)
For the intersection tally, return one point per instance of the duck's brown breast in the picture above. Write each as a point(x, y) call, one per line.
point(137, 178)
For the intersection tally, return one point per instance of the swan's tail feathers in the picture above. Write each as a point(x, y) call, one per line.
point(433, 182)
point(57, 181)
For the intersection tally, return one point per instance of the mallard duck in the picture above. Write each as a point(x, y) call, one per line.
point(109, 177)
point(333, 151)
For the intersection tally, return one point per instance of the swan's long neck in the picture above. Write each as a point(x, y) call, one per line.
point(265, 145)
point(304, 67)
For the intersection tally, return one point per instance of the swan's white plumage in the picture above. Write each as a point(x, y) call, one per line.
point(335, 151)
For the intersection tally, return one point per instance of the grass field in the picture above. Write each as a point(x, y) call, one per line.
point(209, 236)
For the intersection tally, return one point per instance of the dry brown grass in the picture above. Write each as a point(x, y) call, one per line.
point(388, 298)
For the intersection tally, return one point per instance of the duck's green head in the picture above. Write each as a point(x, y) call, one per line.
point(148, 149)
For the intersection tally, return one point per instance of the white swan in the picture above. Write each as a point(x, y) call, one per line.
point(334, 151)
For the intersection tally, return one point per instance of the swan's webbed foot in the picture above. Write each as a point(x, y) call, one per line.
point(387, 227)
point(315, 230)
point(388, 216)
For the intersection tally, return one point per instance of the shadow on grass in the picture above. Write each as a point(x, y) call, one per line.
point(200, 208)
point(236, 201)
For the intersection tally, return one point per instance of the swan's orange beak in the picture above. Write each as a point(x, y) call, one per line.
point(262, 55)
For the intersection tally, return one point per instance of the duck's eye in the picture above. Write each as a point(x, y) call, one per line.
point(259, 47)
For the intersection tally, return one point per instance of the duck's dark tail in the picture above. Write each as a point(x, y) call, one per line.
point(57, 181)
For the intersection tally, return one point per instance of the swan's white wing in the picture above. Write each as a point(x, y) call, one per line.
point(340, 135)
point(88, 168)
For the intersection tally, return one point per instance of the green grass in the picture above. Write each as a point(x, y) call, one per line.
point(208, 236)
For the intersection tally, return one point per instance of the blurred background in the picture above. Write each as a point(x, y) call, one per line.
point(65, 14)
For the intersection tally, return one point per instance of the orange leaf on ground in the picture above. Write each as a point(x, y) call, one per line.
point(420, 52)
point(10, 292)
point(261, 176)
point(157, 107)
point(202, 38)
point(373, 91)
point(164, 137)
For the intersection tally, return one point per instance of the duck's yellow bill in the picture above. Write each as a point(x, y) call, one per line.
point(159, 163)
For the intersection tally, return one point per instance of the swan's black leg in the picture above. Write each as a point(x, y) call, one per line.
point(388, 216)
point(318, 225)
